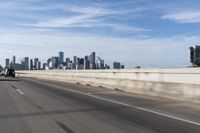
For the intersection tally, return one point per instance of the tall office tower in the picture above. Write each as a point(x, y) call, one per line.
point(116, 65)
point(86, 63)
point(92, 60)
point(80, 64)
point(48, 61)
point(7, 63)
point(75, 62)
point(38, 65)
point(35, 63)
point(70, 65)
point(26, 63)
point(13, 62)
point(61, 57)
point(55, 62)
point(195, 55)
point(31, 64)
point(21, 66)
point(67, 61)
point(100, 63)
point(44, 66)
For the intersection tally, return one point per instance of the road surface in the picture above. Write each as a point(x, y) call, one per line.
point(36, 106)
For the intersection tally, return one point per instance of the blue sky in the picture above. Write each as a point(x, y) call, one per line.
point(150, 33)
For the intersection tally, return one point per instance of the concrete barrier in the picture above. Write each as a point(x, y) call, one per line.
point(179, 83)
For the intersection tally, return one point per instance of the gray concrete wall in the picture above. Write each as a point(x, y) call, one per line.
point(179, 83)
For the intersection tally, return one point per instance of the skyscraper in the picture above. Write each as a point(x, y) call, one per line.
point(100, 63)
point(31, 64)
point(75, 62)
point(20, 66)
point(26, 63)
point(13, 64)
point(92, 57)
point(35, 63)
point(61, 57)
point(55, 62)
point(38, 65)
point(80, 64)
point(14, 60)
point(7, 63)
point(86, 63)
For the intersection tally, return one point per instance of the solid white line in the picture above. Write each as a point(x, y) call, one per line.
point(104, 92)
point(128, 105)
point(20, 92)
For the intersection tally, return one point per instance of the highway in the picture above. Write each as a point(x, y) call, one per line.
point(37, 106)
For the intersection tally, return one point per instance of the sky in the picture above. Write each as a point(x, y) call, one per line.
point(148, 33)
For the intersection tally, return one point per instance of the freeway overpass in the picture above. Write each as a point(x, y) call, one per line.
point(30, 105)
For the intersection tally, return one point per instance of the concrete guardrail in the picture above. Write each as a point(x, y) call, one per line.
point(177, 83)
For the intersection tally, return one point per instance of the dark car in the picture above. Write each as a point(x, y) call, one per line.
point(9, 72)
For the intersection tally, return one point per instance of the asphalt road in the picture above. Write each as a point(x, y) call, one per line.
point(35, 106)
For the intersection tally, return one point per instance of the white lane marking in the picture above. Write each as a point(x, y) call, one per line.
point(124, 104)
point(103, 92)
point(20, 92)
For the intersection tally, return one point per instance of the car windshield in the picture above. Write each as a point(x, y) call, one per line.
point(10, 70)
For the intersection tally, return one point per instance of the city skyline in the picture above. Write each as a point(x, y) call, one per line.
point(91, 61)
point(148, 33)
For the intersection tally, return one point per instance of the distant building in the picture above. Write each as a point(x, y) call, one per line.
point(35, 63)
point(61, 57)
point(80, 64)
point(195, 55)
point(69, 65)
point(75, 60)
point(38, 65)
point(18, 66)
point(21, 66)
point(14, 62)
point(44, 66)
point(26, 63)
point(31, 64)
point(55, 62)
point(7, 63)
point(116, 65)
point(122, 66)
point(107, 66)
point(1, 68)
point(91, 58)
point(86, 63)
point(67, 60)
point(100, 63)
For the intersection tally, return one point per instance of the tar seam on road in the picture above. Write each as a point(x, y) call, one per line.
point(124, 104)
point(65, 128)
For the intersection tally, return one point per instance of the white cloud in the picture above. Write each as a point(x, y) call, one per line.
point(90, 17)
point(184, 17)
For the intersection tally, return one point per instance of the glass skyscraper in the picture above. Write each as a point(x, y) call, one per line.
point(61, 57)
